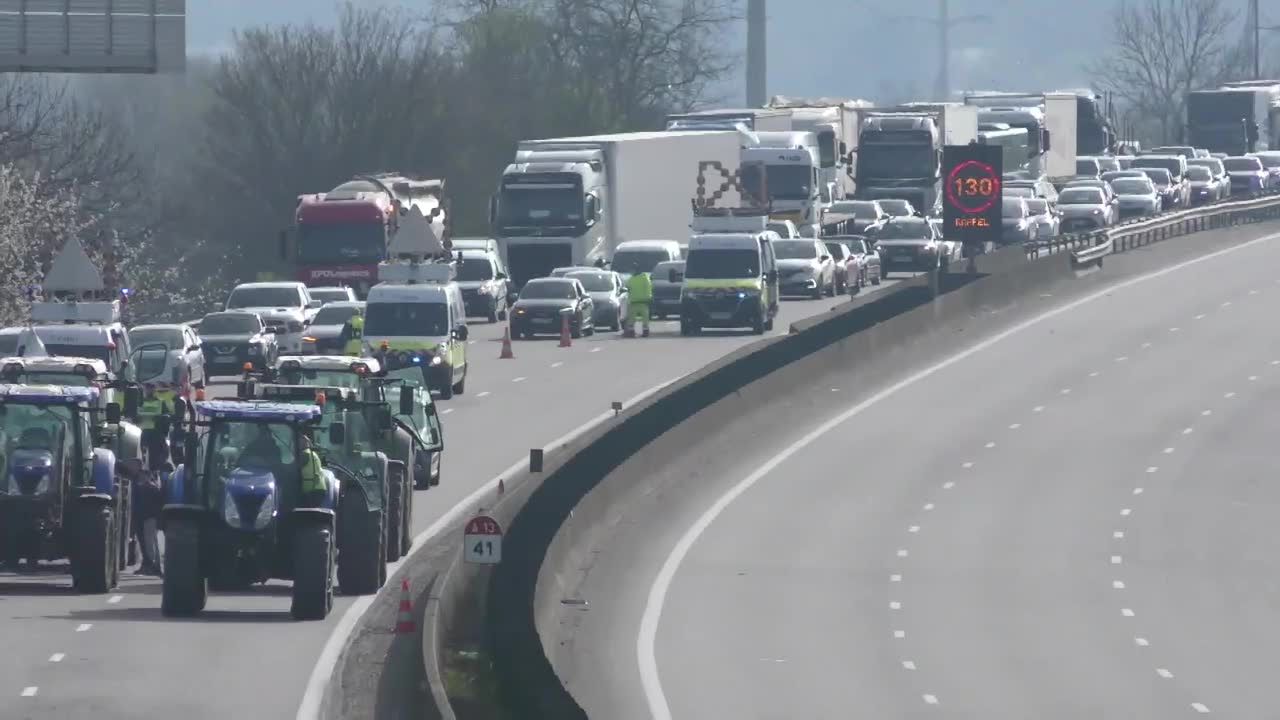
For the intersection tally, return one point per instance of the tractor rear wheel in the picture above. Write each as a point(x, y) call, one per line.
point(312, 572)
point(185, 589)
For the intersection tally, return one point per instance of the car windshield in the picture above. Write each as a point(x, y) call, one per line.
point(1086, 167)
point(1196, 173)
point(1242, 164)
point(321, 378)
point(906, 230)
point(245, 297)
point(795, 250)
point(1159, 176)
point(783, 229)
point(1108, 163)
point(34, 427)
point(98, 352)
point(228, 325)
point(1011, 208)
point(1132, 186)
point(1172, 164)
point(335, 314)
point(168, 337)
point(548, 290)
point(856, 246)
point(8, 345)
point(637, 261)
point(863, 210)
point(56, 378)
point(594, 281)
point(1269, 160)
point(835, 249)
point(1018, 191)
point(475, 269)
point(726, 264)
point(1080, 196)
point(1038, 206)
point(416, 319)
point(1214, 165)
point(329, 294)
point(896, 208)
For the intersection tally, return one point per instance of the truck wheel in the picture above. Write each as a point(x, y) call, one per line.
point(313, 572)
point(94, 563)
point(185, 589)
point(362, 559)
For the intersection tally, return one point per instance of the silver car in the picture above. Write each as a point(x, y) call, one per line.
point(1138, 197)
point(608, 297)
point(1047, 219)
point(184, 361)
point(863, 265)
point(1205, 188)
point(1015, 221)
point(1085, 208)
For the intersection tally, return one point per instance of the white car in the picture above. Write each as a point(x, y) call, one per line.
point(1085, 208)
point(1047, 221)
point(335, 293)
point(863, 266)
point(184, 361)
point(285, 306)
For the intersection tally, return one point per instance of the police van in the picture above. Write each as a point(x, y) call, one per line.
point(730, 278)
point(415, 317)
point(82, 329)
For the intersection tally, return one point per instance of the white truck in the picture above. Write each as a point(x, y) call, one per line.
point(571, 201)
point(791, 176)
point(1049, 119)
point(836, 123)
point(754, 119)
point(900, 151)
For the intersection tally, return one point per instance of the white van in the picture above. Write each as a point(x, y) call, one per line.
point(635, 256)
point(730, 278)
point(422, 320)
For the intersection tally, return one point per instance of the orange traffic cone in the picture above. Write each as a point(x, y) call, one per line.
point(507, 354)
point(404, 620)
point(566, 338)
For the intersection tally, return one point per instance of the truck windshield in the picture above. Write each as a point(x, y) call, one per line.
point(358, 243)
point(475, 269)
point(520, 207)
point(897, 161)
point(786, 182)
point(630, 262)
point(722, 264)
point(404, 319)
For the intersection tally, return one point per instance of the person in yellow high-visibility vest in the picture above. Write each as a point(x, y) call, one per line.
point(149, 412)
point(314, 484)
point(639, 299)
point(354, 332)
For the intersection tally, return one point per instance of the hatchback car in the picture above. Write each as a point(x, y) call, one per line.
point(608, 297)
point(1138, 197)
point(1085, 208)
point(1205, 188)
point(1047, 220)
point(542, 304)
point(863, 265)
point(840, 255)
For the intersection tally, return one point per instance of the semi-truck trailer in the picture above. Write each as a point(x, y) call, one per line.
point(571, 201)
point(754, 119)
point(900, 151)
point(1236, 118)
point(1092, 131)
point(835, 122)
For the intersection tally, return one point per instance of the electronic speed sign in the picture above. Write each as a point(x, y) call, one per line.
point(972, 187)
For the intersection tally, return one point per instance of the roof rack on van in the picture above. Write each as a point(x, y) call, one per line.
point(410, 272)
point(725, 220)
point(72, 312)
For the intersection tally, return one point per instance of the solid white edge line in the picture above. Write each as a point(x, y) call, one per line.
point(646, 653)
point(318, 682)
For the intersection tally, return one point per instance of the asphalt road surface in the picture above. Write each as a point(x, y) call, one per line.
point(115, 656)
point(1078, 520)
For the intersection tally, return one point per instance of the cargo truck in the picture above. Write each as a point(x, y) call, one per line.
point(571, 201)
point(835, 122)
point(1092, 133)
point(1236, 118)
point(754, 119)
point(785, 166)
point(1051, 124)
point(900, 151)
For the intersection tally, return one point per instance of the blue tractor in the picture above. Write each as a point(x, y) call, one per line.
point(235, 513)
point(62, 497)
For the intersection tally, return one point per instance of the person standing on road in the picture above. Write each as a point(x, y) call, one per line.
point(640, 298)
point(353, 331)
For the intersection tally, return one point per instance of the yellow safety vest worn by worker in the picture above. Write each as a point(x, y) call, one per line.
point(355, 342)
point(312, 479)
point(640, 289)
point(149, 412)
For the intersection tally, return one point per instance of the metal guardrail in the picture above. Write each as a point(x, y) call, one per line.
point(1091, 247)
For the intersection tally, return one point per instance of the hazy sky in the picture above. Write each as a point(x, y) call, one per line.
point(851, 48)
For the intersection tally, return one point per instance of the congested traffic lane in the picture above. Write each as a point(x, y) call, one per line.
point(244, 655)
point(1071, 521)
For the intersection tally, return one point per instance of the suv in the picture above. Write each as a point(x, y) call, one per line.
point(231, 340)
point(286, 306)
point(485, 288)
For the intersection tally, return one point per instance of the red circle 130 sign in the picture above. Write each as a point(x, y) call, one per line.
point(973, 187)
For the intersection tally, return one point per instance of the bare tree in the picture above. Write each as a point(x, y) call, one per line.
point(33, 216)
point(1163, 49)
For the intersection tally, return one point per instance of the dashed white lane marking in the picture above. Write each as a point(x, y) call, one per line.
point(1226, 303)
point(990, 445)
point(1015, 426)
point(908, 665)
point(1275, 362)
point(115, 599)
point(1162, 672)
point(1116, 559)
point(1152, 468)
point(899, 634)
point(1126, 612)
point(931, 699)
point(1146, 345)
point(948, 485)
point(519, 379)
point(1117, 584)
point(1229, 395)
point(30, 691)
point(895, 578)
point(1141, 642)
point(1253, 292)
point(557, 364)
point(1174, 329)
point(928, 506)
point(596, 349)
point(835, 389)
point(1125, 512)
point(1038, 408)
point(486, 392)
point(1122, 358)
point(1066, 391)
point(1200, 708)
point(1119, 534)
point(967, 465)
point(57, 657)
point(913, 529)
point(1168, 451)
point(1137, 491)
point(446, 411)
point(1200, 316)
point(902, 552)
point(1206, 413)
point(1093, 374)
point(1252, 378)
point(82, 627)
point(1188, 431)
point(895, 605)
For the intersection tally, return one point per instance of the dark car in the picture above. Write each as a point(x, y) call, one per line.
point(544, 301)
point(608, 296)
point(666, 292)
point(231, 339)
point(908, 244)
point(897, 207)
point(1169, 191)
point(324, 335)
point(840, 254)
point(868, 216)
